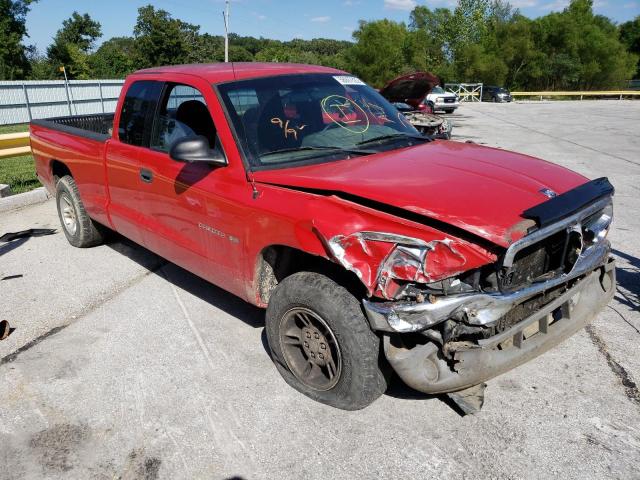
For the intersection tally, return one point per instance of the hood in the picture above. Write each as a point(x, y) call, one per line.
point(481, 190)
point(410, 89)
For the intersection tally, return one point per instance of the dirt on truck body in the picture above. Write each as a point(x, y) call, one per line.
point(305, 192)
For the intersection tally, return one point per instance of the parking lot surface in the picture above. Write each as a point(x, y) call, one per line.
point(123, 365)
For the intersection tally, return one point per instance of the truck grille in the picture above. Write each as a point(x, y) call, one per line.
point(449, 100)
point(543, 260)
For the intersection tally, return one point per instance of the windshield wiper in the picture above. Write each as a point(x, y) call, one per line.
point(394, 136)
point(321, 148)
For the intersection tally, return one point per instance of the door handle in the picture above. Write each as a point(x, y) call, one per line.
point(146, 175)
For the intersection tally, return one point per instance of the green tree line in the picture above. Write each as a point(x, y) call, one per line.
point(485, 41)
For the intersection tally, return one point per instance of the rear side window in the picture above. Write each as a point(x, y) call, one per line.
point(137, 112)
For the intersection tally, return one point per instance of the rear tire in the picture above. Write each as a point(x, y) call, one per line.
point(81, 231)
point(310, 315)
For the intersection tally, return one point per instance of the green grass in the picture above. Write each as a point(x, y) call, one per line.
point(23, 127)
point(19, 173)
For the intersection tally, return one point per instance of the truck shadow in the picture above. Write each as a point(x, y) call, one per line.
point(628, 278)
point(234, 306)
point(398, 389)
point(181, 278)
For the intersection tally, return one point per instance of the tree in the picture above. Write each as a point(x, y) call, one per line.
point(72, 45)
point(583, 50)
point(431, 40)
point(114, 58)
point(630, 38)
point(161, 39)
point(378, 54)
point(14, 63)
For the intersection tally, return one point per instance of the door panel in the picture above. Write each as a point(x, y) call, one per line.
point(122, 157)
point(125, 209)
point(188, 219)
point(188, 223)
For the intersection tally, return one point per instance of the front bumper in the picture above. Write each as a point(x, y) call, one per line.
point(446, 106)
point(424, 368)
point(480, 308)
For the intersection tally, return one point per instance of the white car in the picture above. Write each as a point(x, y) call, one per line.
point(442, 100)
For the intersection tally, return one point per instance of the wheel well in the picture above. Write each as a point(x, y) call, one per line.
point(59, 170)
point(277, 262)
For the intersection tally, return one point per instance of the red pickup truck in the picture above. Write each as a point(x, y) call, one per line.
point(303, 191)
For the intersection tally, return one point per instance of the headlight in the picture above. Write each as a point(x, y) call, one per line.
point(599, 225)
point(385, 262)
point(439, 100)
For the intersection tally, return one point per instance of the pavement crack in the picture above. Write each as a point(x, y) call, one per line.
point(82, 313)
point(201, 343)
point(12, 356)
point(630, 387)
point(623, 317)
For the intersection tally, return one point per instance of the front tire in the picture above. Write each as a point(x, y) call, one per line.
point(81, 231)
point(322, 344)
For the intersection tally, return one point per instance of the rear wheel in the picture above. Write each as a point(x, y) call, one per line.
point(321, 342)
point(81, 231)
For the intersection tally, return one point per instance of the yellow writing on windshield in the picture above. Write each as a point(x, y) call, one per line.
point(286, 129)
point(345, 113)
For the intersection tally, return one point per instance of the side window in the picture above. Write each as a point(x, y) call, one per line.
point(244, 99)
point(137, 112)
point(182, 113)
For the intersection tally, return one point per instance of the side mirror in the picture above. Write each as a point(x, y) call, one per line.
point(195, 149)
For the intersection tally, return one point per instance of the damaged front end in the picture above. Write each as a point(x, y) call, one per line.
point(454, 314)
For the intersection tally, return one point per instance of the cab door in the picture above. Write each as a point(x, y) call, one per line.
point(189, 219)
point(122, 158)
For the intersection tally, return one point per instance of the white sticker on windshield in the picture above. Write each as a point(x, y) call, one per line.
point(348, 80)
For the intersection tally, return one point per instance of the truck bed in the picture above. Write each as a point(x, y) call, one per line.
point(96, 126)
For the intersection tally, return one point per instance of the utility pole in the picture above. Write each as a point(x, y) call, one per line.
point(225, 14)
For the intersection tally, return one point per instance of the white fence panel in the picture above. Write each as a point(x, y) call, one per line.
point(23, 101)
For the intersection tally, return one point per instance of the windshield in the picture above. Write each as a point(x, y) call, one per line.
point(295, 118)
point(437, 90)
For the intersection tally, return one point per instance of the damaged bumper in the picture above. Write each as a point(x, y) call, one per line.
point(479, 308)
point(423, 367)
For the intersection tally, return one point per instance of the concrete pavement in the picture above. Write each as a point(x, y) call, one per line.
point(125, 366)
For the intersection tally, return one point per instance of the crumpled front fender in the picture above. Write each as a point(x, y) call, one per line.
point(381, 259)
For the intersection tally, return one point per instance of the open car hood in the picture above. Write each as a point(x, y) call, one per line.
point(410, 89)
point(481, 190)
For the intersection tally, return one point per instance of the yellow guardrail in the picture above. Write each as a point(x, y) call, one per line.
point(596, 93)
point(14, 144)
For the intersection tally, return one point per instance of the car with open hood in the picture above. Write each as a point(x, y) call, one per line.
point(407, 93)
point(372, 247)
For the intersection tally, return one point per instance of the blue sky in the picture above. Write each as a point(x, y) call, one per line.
point(280, 19)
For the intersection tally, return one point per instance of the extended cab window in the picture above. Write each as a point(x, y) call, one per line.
point(182, 113)
point(137, 112)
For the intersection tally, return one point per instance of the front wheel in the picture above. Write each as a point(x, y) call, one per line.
point(321, 342)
